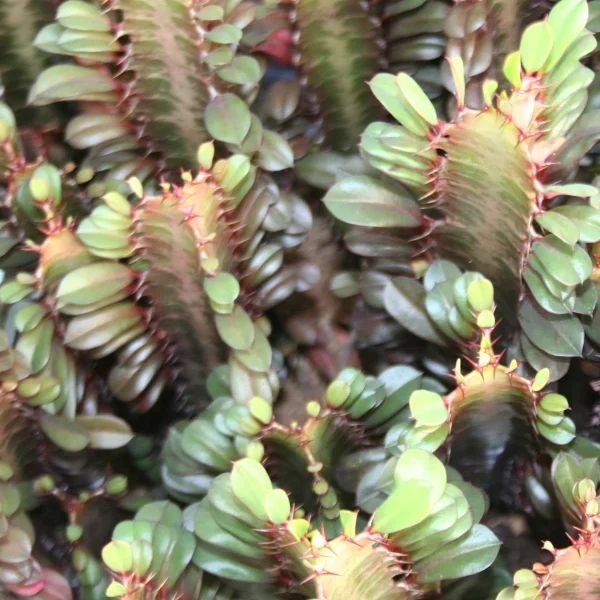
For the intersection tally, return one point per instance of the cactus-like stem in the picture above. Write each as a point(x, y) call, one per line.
point(328, 32)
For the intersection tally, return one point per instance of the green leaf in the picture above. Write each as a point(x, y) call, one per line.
point(525, 578)
point(407, 505)
point(567, 20)
point(105, 432)
point(116, 589)
point(579, 190)
point(540, 380)
point(251, 485)
point(486, 319)
point(36, 345)
point(536, 45)
point(15, 549)
point(569, 266)
point(224, 34)
point(259, 356)
point(470, 554)
point(387, 91)
point(211, 13)
point(549, 418)
point(48, 177)
point(427, 438)
point(117, 556)
point(298, 527)
point(544, 297)
point(461, 286)
point(11, 500)
point(29, 387)
point(512, 68)
point(417, 98)
point(118, 203)
point(489, 87)
point(274, 154)
point(228, 566)
point(348, 520)
point(212, 532)
point(586, 298)
point(206, 154)
point(445, 515)
point(236, 329)
point(417, 463)
point(81, 42)
point(261, 410)
point(592, 327)
point(116, 485)
point(94, 282)
point(82, 16)
point(65, 434)
point(88, 130)
point(368, 202)
point(47, 38)
point(71, 82)
point(179, 556)
point(439, 272)
point(243, 70)
point(428, 408)
point(560, 225)
point(238, 168)
point(399, 383)
point(566, 472)
point(554, 403)
point(558, 335)
point(164, 512)
point(277, 506)
point(202, 442)
point(585, 218)
point(223, 288)
point(404, 300)
point(13, 291)
point(88, 331)
point(439, 303)
point(457, 68)
point(538, 359)
point(227, 118)
point(561, 434)
point(337, 393)
point(219, 57)
point(557, 289)
point(345, 284)
point(49, 391)
point(323, 169)
point(480, 294)
point(282, 99)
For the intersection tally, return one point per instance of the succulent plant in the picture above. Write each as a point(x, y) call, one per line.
point(478, 183)
point(299, 300)
point(248, 524)
point(569, 574)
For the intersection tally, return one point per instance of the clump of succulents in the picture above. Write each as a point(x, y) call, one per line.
point(299, 299)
